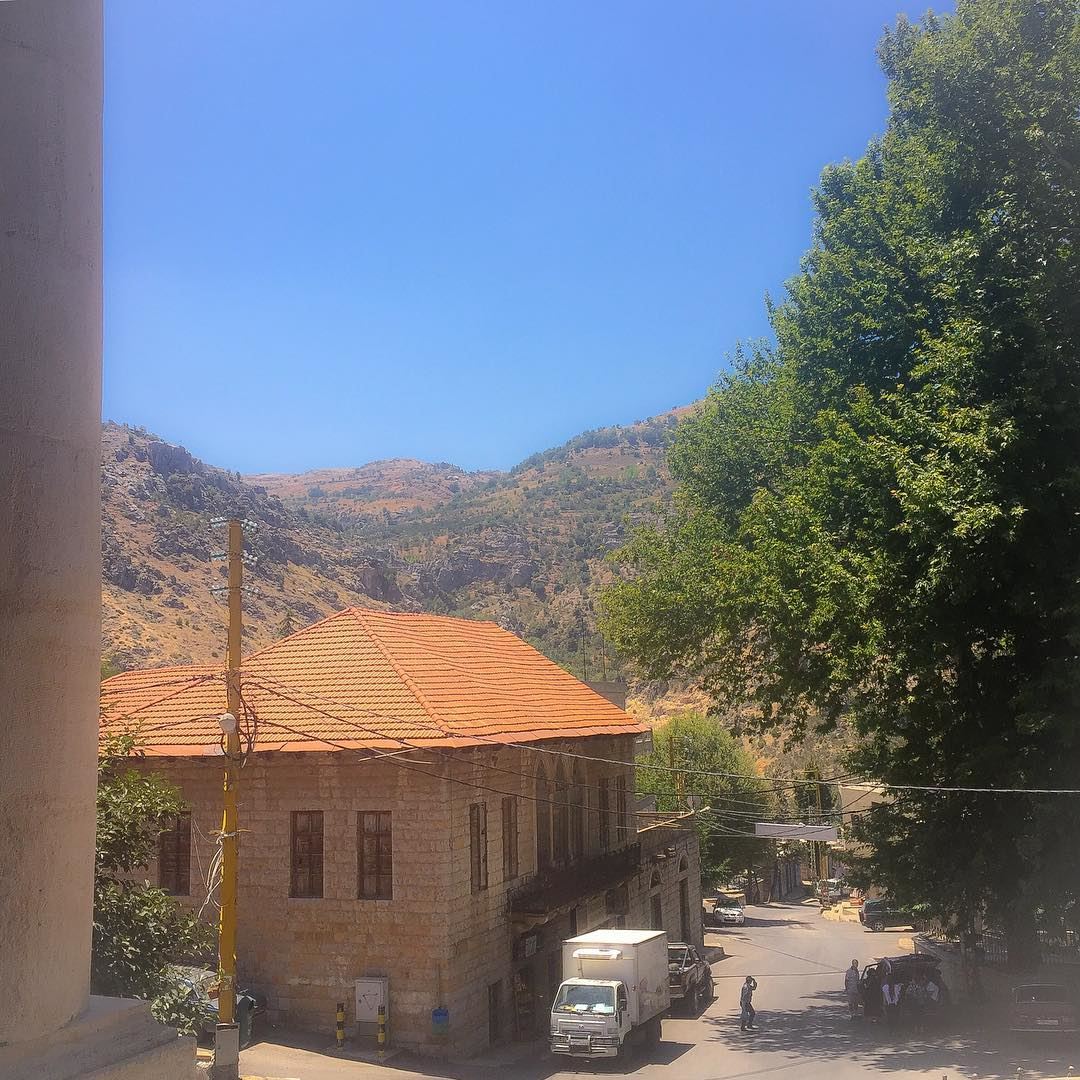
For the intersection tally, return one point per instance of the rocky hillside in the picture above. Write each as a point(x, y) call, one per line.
point(525, 548)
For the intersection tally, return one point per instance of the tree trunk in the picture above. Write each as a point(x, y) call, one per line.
point(1022, 942)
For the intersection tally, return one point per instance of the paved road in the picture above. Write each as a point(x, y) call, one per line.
point(804, 1032)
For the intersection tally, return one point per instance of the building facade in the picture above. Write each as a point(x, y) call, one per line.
point(452, 867)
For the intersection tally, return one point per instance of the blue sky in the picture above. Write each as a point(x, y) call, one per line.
point(342, 231)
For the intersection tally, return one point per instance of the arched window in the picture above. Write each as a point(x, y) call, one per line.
point(684, 866)
point(579, 796)
point(560, 819)
point(543, 822)
point(656, 903)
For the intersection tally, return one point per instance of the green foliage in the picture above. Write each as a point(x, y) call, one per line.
point(878, 519)
point(695, 742)
point(138, 928)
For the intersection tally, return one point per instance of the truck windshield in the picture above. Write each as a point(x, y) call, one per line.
point(586, 999)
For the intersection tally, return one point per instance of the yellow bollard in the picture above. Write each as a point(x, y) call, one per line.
point(382, 1030)
point(340, 1025)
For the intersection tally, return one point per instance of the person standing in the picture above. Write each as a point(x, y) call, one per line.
point(890, 998)
point(851, 989)
point(746, 1003)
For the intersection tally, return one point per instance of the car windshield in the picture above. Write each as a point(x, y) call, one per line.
point(1052, 994)
point(729, 905)
point(575, 998)
point(677, 957)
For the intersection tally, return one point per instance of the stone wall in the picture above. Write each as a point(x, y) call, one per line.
point(440, 943)
point(670, 859)
point(305, 954)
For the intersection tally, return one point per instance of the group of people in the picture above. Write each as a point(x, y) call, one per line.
point(898, 1001)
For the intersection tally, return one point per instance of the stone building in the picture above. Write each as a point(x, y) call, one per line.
point(426, 800)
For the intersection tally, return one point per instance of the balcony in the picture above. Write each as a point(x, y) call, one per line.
point(555, 889)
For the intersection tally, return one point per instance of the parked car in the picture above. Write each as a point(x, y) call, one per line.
point(903, 970)
point(878, 914)
point(690, 979)
point(201, 986)
point(830, 890)
point(728, 913)
point(1042, 1007)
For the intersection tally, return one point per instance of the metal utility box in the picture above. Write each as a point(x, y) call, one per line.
point(371, 992)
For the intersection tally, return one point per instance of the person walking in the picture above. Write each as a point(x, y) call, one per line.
point(851, 989)
point(746, 1002)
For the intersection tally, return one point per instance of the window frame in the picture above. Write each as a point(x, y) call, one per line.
point(511, 853)
point(177, 836)
point(478, 856)
point(316, 866)
point(383, 868)
point(603, 808)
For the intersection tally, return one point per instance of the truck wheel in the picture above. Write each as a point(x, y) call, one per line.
point(692, 1001)
point(877, 927)
point(654, 1033)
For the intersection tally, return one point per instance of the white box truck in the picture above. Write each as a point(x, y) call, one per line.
point(614, 992)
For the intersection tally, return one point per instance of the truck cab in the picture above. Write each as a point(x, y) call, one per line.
point(614, 992)
point(590, 1017)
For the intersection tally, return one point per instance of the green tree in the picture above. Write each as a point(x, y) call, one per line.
point(735, 801)
point(138, 928)
point(879, 517)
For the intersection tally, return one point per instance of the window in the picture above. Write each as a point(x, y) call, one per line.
point(375, 854)
point(622, 818)
point(495, 1012)
point(657, 913)
point(510, 838)
point(560, 819)
point(543, 824)
point(684, 909)
point(174, 854)
point(478, 845)
point(578, 804)
point(307, 853)
point(604, 811)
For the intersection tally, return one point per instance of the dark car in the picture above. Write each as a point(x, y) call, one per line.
point(690, 978)
point(905, 971)
point(1042, 1007)
point(878, 914)
point(200, 985)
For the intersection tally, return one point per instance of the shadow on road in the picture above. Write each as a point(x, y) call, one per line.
point(820, 1029)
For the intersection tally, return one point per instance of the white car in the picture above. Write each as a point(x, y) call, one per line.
point(729, 913)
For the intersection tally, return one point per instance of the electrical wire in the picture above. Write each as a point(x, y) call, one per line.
point(730, 798)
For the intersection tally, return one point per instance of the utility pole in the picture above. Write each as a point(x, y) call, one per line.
point(584, 654)
point(227, 1040)
point(820, 844)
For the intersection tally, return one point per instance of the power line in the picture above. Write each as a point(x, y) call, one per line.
point(569, 782)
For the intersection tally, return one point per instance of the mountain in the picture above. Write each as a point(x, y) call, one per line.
point(525, 547)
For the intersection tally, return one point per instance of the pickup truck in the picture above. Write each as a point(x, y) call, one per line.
point(690, 978)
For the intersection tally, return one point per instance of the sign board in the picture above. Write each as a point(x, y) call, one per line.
point(795, 832)
point(440, 1020)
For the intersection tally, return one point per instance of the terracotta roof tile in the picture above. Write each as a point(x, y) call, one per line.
point(369, 679)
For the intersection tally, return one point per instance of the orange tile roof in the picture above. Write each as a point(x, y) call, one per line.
point(369, 679)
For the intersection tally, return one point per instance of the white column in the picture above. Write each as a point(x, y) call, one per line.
point(50, 533)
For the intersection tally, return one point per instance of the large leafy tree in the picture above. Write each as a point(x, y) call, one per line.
point(138, 928)
point(879, 516)
point(713, 773)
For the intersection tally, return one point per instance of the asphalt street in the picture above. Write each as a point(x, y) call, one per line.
point(804, 1032)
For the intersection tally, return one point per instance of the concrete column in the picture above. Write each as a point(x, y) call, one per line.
point(50, 533)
